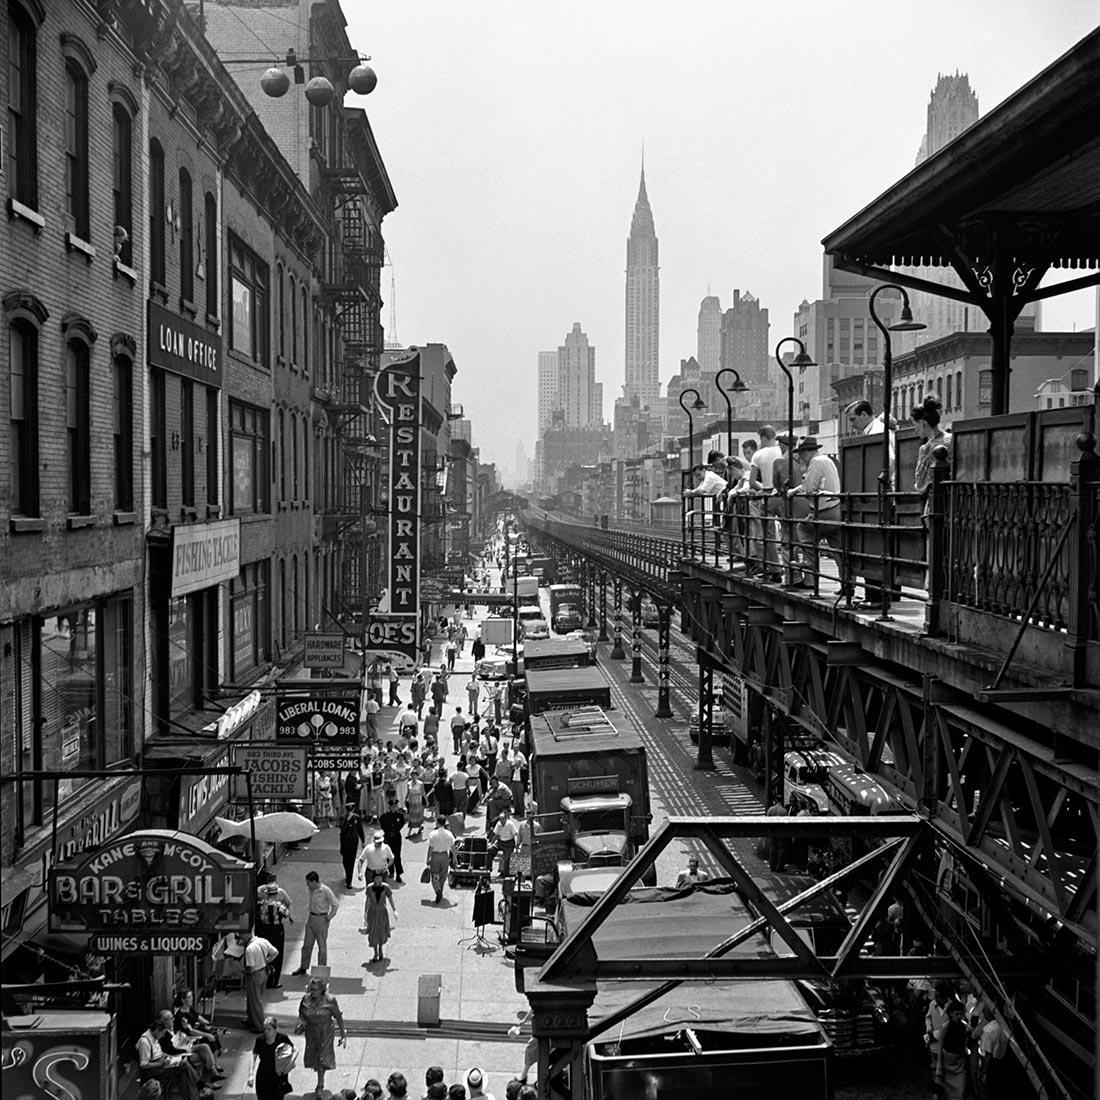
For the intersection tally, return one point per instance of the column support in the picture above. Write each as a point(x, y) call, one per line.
point(590, 593)
point(636, 676)
point(704, 760)
point(603, 605)
point(617, 652)
point(664, 625)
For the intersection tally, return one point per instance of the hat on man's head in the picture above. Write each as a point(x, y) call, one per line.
point(474, 1078)
point(379, 835)
point(784, 439)
point(810, 443)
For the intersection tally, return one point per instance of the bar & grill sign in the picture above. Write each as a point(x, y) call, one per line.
point(158, 880)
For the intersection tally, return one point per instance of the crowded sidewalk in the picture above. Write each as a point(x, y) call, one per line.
point(478, 1003)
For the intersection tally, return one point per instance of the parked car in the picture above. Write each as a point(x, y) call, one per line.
point(535, 629)
point(569, 618)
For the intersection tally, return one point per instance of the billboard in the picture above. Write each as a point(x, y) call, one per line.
point(397, 388)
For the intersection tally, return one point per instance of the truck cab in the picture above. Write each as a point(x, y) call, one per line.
point(805, 774)
point(598, 827)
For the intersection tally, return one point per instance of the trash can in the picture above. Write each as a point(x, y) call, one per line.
point(428, 990)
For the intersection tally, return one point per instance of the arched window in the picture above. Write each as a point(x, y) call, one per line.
point(294, 452)
point(282, 455)
point(947, 401)
point(122, 182)
point(305, 329)
point(23, 107)
point(292, 295)
point(305, 456)
point(122, 416)
point(76, 148)
point(156, 213)
point(283, 600)
point(23, 387)
point(210, 227)
point(280, 289)
point(297, 601)
point(78, 426)
point(959, 388)
point(187, 237)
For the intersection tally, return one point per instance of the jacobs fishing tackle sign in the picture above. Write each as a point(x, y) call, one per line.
point(156, 880)
point(397, 388)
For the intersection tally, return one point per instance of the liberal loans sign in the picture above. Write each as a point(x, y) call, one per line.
point(398, 389)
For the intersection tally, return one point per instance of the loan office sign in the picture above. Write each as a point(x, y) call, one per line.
point(397, 388)
point(156, 880)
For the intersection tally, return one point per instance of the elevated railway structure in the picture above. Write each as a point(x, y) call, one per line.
point(967, 681)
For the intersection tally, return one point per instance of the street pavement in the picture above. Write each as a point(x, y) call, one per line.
point(478, 1002)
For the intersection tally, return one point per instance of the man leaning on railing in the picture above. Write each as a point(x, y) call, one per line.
point(710, 488)
point(820, 484)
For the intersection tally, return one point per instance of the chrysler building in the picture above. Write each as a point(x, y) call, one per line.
point(642, 305)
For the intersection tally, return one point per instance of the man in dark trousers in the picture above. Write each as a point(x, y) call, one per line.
point(272, 910)
point(392, 822)
point(351, 836)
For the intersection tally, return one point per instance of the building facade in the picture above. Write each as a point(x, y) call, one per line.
point(643, 300)
point(580, 396)
point(549, 392)
point(708, 350)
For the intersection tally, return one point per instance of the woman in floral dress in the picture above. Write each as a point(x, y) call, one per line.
point(414, 806)
point(318, 1016)
point(376, 919)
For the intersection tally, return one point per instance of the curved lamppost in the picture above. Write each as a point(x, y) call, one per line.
point(737, 387)
point(698, 404)
point(802, 360)
point(904, 324)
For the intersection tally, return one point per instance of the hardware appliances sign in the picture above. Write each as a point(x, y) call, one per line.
point(158, 880)
point(398, 390)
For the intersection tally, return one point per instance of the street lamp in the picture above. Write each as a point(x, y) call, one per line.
point(802, 360)
point(698, 404)
point(737, 387)
point(904, 324)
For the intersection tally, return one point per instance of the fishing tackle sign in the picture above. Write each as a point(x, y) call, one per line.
point(398, 390)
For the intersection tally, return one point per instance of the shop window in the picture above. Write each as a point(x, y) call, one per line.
point(78, 428)
point(123, 425)
point(187, 442)
point(76, 148)
point(249, 447)
point(212, 437)
point(158, 444)
point(187, 237)
point(210, 228)
point(122, 182)
point(82, 660)
point(22, 107)
point(192, 650)
point(248, 308)
point(23, 392)
point(156, 214)
point(249, 600)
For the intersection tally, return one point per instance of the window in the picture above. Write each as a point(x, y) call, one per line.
point(1079, 379)
point(187, 442)
point(123, 423)
point(305, 572)
point(158, 428)
point(280, 290)
point(959, 388)
point(248, 303)
point(22, 107)
point(294, 452)
point(78, 428)
point(122, 174)
point(250, 608)
point(249, 488)
point(76, 148)
point(82, 658)
point(211, 446)
point(210, 227)
point(23, 391)
point(305, 457)
point(283, 616)
point(305, 329)
point(187, 237)
point(156, 213)
point(947, 399)
point(292, 294)
point(282, 455)
point(192, 650)
point(297, 603)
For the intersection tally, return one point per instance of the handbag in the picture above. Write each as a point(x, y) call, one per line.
point(286, 1058)
point(426, 875)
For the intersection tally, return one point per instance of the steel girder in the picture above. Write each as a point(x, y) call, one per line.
point(996, 795)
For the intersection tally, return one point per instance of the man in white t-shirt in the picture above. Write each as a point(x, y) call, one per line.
point(711, 488)
point(760, 480)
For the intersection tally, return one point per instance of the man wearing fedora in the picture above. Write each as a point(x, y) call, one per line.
point(820, 483)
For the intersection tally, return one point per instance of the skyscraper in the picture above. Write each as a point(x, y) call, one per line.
point(708, 348)
point(580, 395)
point(642, 305)
point(549, 391)
point(952, 107)
point(744, 339)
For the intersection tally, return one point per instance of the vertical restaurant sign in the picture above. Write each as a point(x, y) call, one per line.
point(397, 389)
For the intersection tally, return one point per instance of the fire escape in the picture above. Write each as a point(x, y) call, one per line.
point(354, 295)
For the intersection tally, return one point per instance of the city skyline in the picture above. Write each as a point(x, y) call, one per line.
point(746, 172)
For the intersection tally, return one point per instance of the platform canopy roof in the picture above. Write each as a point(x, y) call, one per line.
point(1020, 187)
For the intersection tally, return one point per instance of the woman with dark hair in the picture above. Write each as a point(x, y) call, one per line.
point(376, 919)
point(264, 1074)
point(926, 416)
point(953, 1060)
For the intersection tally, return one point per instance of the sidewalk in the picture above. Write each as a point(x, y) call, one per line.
point(479, 1001)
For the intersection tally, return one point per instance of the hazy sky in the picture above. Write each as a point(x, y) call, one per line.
point(513, 131)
